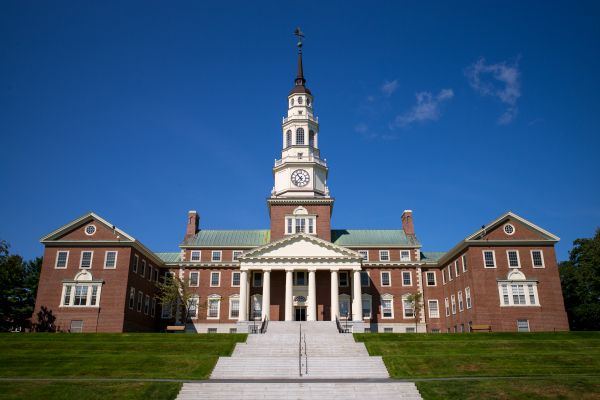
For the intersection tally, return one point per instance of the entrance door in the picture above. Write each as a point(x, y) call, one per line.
point(300, 314)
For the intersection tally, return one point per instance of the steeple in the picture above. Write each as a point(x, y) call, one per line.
point(300, 82)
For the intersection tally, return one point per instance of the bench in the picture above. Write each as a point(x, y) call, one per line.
point(481, 328)
point(176, 328)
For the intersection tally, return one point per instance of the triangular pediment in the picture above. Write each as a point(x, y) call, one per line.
point(301, 245)
point(75, 231)
point(525, 230)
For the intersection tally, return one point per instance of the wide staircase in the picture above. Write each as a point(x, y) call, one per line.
point(299, 360)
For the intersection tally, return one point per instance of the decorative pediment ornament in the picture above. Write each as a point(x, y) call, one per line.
point(300, 299)
point(515, 275)
point(83, 276)
point(300, 211)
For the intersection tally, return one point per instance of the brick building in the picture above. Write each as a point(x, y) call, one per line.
point(504, 277)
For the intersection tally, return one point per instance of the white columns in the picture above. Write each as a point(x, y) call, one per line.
point(311, 312)
point(335, 295)
point(266, 299)
point(243, 296)
point(357, 298)
point(288, 295)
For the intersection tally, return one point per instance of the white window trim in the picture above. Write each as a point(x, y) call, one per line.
point(131, 295)
point(197, 281)
point(67, 259)
point(364, 253)
point(461, 304)
point(88, 294)
point(306, 217)
point(456, 268)
point(541, 255)
point(106, 258)
point(213, 252)
point(231, 299)
point(232, 274)
point(513, 229)
point(136, 261)
point(387, 297)
point(199, 252)
point(525, 284)
point(493, 258)
point(528, 326)
point(383, 252)
point(449, 268)
point(404, 300)
point(410, 278)
point(86, 228)
point(453, 304)
point(368, 278)
point(208, 300)
point(196, 299)
point(211, 278)
point(91, 259)
point(429, 309)
point(390, 278)
point(140, 301)
point(464, 264)
point(368, 297)
point(347, 275)
point(518, 258)
point(402, 258)
point(427, 279)
point(233, 252)
point(468, 298)
point(447, 306)
point(443, 270)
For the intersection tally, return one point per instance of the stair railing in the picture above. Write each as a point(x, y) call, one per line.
point(263, 326)
point(300, 352)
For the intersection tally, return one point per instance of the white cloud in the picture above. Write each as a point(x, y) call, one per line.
point(426, 109)
point(389, 87)
point(500, 80)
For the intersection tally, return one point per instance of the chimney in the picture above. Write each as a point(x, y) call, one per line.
point(407, 222)
point(193, 224)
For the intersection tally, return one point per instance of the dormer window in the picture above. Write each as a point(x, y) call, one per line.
point(299, 136)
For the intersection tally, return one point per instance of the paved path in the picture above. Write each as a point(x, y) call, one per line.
point(333, 366)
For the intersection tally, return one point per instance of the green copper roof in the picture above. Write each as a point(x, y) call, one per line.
point(228, 238)
point(168, 257)
point(431, 256)
point(372, 237)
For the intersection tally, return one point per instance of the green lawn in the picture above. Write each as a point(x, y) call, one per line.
point(550, 365)
point(137, 355)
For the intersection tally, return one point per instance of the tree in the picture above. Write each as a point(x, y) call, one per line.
point(175, 291)
point(415, 299)
point(45, 321)
point(580, 281)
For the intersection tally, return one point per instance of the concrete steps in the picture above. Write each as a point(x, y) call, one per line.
point(300, 391)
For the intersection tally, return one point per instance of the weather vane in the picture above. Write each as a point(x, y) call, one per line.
point(300, 35)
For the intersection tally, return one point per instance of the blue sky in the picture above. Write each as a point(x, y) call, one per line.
point(141, 111)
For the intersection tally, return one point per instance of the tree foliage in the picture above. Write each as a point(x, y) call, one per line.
point(580, 280)
point(416, 299)
point(175, 292)
point(18, 288)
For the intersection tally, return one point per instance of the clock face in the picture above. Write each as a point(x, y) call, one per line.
point(300, 178)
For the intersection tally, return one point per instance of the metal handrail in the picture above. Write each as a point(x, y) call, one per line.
point(300, 352)
point(263, 326)
point(340, 328)
point(305, 356)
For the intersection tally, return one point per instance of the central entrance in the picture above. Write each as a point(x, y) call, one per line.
point(299, 313)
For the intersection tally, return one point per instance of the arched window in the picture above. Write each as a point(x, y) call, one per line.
point(299, 136)
point(288, 138)
point(311, 138)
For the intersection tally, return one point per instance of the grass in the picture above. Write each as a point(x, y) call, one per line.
point(131, 356)
point(548, 365)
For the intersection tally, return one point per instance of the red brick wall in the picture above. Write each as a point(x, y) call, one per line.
point(139, 320)
point(278, 213)
point(376, 289)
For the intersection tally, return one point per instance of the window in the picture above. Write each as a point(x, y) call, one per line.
point(387, 307)
point(211, 330)
point(147, 305)
point(364, 254)
point(143, 271)
point(468, 297)
point(235, 254)
point(195, 256)
point(460, 302)
point(513, 259)
point(344, 280)
point(409, 330)
point(156, 276)
point(509, 229)
point(456, 270)
point(386, 279)
point(140, 301)
point(300, 278)
point(288, 138)
point(311, 138)
point(366, 306)
point(447, 305)
point(131, 298)
point(443, 276)
point(214, 305)
point(434, 311)
point(522, 325)
point(406, 278)
point(215, 256)
point(299, 136)
point(435, 330)
point(388, 330)
point(193, 307)
point(453, 302)
point(234, 307)
point(300, 224)
point(94, 299)
point(215, 279)
point(449, 272)
point(81, 295)
point(409, 310)
point(384, 255)
point(364, 279)
point(86, 259)
point(136, 260)
point(235, 279)
point(430, 276)
point(110, 259)
point(76, 326)
point(290, 223)
point(61, 259)
point(153, 309)
point(232, 330)
point(464, 262)
point(67, 295)
point(257, 279)
point(489, 259)
point(310, 225)
point(518, 294)
point(256, 307)
point(537, 258)
point(405, 255)
point(90, 230)
point(194, 278)
point(166, 311)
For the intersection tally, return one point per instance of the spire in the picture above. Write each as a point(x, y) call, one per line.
point(300, 82)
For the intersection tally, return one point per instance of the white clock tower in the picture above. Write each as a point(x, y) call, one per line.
point(301, 172)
